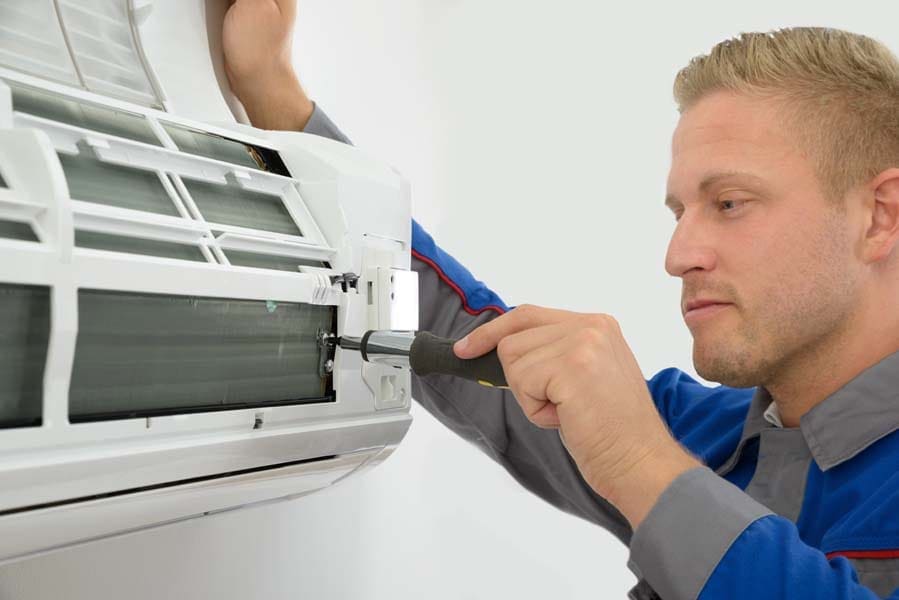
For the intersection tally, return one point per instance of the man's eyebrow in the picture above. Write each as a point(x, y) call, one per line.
point(711, 179)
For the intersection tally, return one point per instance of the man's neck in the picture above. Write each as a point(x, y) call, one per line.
point(812, 376)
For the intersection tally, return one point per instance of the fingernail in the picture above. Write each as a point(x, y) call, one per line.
point(461, 345)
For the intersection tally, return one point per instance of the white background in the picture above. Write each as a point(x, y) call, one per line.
point(535, 135)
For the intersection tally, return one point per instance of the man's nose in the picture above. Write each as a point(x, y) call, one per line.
point(690, 248)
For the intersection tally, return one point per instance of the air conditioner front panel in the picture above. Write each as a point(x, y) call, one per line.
point(53, 527)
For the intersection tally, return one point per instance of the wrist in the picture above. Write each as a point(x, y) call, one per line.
point(275, 100)
point(637, 491)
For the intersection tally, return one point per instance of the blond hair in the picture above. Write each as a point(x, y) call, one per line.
point(840, 89)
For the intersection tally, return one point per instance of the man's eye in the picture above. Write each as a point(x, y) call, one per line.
point(730, 204)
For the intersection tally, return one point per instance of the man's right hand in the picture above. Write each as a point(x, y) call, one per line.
point(256, 39)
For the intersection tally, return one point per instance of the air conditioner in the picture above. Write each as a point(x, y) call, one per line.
point(167, 290)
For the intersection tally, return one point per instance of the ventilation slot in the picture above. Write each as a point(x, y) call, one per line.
point(132, 245)
point(269, 261)
point(15, 230)
point(142, 355)
point(24, 336)
point(31, 40)
point(92, 180)
point(233, 205)
point(81, 114)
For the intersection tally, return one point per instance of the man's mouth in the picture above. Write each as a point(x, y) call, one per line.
point(701, 308)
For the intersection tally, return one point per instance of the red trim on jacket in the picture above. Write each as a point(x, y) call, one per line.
point(864, 554)
point(455, 287)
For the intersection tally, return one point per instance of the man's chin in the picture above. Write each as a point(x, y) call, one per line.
point(724, 365)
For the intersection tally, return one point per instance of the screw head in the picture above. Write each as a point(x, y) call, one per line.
point(329, 366)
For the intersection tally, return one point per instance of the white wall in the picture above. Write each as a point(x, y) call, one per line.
point(536, 137)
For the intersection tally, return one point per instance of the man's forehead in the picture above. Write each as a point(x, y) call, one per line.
point(730, 133)
point(726, 118)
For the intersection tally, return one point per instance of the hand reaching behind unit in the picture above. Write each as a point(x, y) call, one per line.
point(257, 41)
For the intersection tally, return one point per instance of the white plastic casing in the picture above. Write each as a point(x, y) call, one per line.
point(63, 483)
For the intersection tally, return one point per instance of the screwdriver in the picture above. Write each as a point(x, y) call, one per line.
point(425, 353)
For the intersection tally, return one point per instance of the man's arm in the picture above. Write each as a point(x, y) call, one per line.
point(452, 302)
point(706, 539)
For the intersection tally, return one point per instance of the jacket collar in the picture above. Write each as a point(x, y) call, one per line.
point(843, 424)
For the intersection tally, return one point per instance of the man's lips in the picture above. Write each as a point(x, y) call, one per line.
point(703, 307)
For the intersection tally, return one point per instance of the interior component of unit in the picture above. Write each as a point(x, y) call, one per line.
point(201, 143)
point(135, 245)
point(2, 181)
point(16, 230)
point(234, 205)
point(62, 109)
point(86, 43)
point(93, 180)
point(24, 336)
point(142, 355)
point(241, 258)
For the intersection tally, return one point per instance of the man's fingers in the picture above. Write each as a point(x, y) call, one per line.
point(486, 337)
point(546, 417)
point(529, 377)
point(517, 345)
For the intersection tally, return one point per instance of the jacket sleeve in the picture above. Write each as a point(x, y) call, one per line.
point(706, 539)
point(451, 304)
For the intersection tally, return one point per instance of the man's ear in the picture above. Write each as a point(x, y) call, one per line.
point(882, 235)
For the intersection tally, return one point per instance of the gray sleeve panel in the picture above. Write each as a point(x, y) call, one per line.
point(492, 420)
point(880, 575)
point(688, 531)
point(320, 124)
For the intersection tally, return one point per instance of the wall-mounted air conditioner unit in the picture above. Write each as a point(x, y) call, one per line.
point(167, 288)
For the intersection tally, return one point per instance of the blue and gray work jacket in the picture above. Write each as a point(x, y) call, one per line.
point(805, 512)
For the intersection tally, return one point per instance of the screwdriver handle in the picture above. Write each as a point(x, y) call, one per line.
point(433, 354)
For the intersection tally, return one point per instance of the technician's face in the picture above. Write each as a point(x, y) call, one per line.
point(756, 238)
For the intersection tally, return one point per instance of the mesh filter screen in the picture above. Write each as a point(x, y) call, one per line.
point(14, 230)
point(24, 335)
point(92, 180)
point(232, 205)
point(81, 114)
point(142, 354)
point(130, 245)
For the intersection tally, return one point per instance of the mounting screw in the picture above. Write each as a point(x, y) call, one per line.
point(329, 366)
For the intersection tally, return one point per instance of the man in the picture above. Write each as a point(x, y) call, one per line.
point(785, 185)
